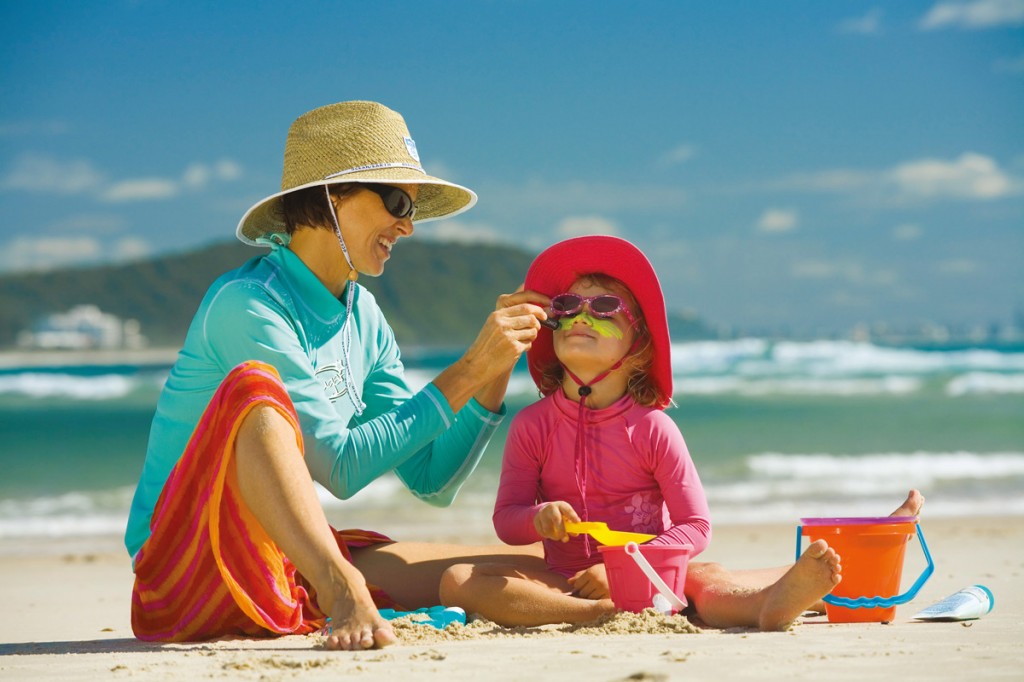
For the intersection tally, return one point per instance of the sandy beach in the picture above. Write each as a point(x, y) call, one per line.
point(67, 618)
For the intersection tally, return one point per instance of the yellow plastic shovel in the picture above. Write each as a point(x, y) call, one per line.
point(600, 532)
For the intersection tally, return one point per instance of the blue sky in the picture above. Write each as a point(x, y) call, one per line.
point(799, 165)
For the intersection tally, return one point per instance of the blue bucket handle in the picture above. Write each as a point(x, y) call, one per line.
point(879, 602)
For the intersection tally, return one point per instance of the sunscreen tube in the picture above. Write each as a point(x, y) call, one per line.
point(967, 604)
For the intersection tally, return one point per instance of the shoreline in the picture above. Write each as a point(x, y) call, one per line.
point(68, 618)
point(44, 359)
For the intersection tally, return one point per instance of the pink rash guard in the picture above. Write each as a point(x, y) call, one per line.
point(636, 471)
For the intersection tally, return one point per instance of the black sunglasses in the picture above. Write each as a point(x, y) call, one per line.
point(396, 200)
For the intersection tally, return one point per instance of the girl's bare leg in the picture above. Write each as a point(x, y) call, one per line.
point(726, 598)
point(722, 602)
point(277, 488)
point(513, 596)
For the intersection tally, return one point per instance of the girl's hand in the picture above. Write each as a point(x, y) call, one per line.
point(591, 583)
point(549, 521)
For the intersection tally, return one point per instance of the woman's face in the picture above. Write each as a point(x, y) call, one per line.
point(370, 231)
point(585, 346)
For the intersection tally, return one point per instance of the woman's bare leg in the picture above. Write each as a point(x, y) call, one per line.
point(277, 488)
point(410, 572)
point(513, 596)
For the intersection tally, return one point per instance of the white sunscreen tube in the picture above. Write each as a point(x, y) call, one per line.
point(967, 604)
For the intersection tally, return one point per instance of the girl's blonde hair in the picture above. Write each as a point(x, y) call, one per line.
point(637, 364)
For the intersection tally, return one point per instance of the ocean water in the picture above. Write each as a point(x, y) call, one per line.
point(779, 431)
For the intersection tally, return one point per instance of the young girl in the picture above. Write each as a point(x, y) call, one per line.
point(597, 447)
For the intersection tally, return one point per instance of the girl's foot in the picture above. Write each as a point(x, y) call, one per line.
point(813, 576)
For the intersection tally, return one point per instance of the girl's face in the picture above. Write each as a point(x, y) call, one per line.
point(588, 345)
point(370, 231)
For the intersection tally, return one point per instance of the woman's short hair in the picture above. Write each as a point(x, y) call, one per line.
point(641, 356)
point(309, 207)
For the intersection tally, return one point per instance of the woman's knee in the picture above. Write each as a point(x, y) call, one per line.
point(265, 429)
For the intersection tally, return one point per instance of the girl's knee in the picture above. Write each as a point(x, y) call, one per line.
point(453, 583)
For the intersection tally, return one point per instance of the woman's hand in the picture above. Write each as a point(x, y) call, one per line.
point(591, 583)
point(509, 331)
point(549, 521)
point(483, 371)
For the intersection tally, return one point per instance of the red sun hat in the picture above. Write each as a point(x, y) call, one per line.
point(561, 264)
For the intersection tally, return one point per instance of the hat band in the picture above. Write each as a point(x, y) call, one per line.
point(376, 166)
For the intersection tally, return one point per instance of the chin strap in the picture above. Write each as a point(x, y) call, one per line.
point(580, 464)
point(346, 329)
point(353, 274)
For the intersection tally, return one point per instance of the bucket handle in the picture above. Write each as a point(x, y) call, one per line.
point(633, 550)
point(879, 602)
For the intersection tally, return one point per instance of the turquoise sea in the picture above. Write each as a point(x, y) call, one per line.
point(779, 430)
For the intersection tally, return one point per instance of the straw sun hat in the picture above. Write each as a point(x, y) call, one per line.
point(558, 266)
point(353, 142)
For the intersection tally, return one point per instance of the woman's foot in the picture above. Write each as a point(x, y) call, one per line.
point(358, 627)
point(813, 576)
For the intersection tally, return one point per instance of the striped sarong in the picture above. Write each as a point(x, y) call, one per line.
point(209, 569)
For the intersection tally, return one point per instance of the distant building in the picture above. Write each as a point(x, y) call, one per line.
point(84, 327)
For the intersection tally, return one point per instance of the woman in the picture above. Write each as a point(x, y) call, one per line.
point(289, 374)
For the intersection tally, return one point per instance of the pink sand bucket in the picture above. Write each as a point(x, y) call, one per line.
point(650, 577)
point(871, 551)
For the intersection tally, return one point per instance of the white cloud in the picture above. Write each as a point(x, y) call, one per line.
point(46, 173)
point(778, 220)
point(43, 173)
point(463, 231)
point(849, 271)
point(145, 189)
point(820, 269)
point(578, 226)
point(46, 253)
point(847, 299)
point(679, 155)
point(558, 198)
point(957, 267)
point(972, 176)
point(196, 176)
point(835, 180)
point(907, 232)
point(199, 175)
point(1013, 65)
point(869, 25)
point(129, 249)
point(49, 253)
point(974, 14)
point(226, 169)
point(33, 128)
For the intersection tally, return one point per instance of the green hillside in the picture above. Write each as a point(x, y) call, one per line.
point(432, 293)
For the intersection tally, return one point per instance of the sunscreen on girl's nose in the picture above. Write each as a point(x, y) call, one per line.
point(967, 604)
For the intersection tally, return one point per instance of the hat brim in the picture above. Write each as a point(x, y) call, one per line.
point(559, 266)
point(436, 199)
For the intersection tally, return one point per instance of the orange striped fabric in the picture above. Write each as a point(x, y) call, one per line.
point(209, 569)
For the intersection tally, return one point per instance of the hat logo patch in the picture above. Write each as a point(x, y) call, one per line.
point(410, 144)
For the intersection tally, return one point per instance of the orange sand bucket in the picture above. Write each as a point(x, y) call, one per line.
point(871, 550)
point(653, 576)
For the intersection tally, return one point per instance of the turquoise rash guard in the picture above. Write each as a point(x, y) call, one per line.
point(273, 309)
